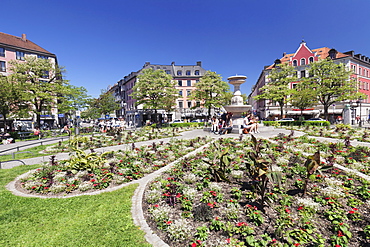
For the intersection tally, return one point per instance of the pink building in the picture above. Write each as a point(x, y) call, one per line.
point(301, 60)
point(17, 48)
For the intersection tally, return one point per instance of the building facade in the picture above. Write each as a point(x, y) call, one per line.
point(18, 48)
point(301, 60)
point(186, 76)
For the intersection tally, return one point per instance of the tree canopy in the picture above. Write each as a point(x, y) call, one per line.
point(331, 83)
point(155, 90)
point(278, 88)
point(41, 82)
point(211, 91)
point(103, 105)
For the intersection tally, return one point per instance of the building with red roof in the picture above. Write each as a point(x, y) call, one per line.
point(301, 60)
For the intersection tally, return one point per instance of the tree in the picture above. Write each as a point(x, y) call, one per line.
point(211, 91)
point(105, 104)
point(331, 83)
point(155, 89)
point(74, 98)
point(278, 88)
point(302, 97)
point(41, 81)
point(10, 100)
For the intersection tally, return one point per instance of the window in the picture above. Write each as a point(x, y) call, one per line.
point(189, 104)
point(303, 61)
point(295, 63)
point(196, 81)
point(20, 55)
point(188, 72)
point(45, 75)
point(188, 83)
point(359, 71)
point(311, 59)
point(168, 71)
point(180, 93)
point(2, 66)
point(303, 73)
point(180, 83)
point(188, 92)
point(354, 68)
point(42, 57)
point(294, 85)
point(2, 52)
point(181, 104)
point(179, 72)
point(196, 72)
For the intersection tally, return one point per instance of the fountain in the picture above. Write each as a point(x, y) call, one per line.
point(237, 106)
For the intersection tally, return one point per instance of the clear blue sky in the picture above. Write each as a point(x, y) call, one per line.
point(99, 42)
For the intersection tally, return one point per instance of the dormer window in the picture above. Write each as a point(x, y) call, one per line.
point(179, 72)
point(188, 72)
point(196, 72)
point(303, 61)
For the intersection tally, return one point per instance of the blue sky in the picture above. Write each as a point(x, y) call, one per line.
point(99, 42)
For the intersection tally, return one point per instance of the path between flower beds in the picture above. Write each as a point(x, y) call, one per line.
point(136, 210)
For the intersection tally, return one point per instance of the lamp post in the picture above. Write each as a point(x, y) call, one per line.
point(360, 122)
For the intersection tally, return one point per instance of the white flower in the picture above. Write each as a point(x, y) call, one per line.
point(309, 203)
point(333, 192)
point(189, 193)
point(179, 230)
point(190, 178)
point(237, 174)
point(333, 182)
point(215, 186)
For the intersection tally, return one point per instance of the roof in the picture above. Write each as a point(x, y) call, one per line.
point(322, 53)
point(21, 43)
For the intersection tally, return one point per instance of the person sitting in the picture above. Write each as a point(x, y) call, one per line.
point(228, 125)
point(248, 125)
point(214, 127)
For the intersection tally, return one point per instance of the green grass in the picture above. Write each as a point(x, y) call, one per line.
point(99, 220)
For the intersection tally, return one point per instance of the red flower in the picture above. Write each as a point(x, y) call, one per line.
point(287, 210)
point(193, 245)
point(241, 224)
point(168, 222)
point(340, 234)
point(178, 195)
point(297, 244)
point(300, 208)
point(351, 212)
point(355, 209)
point(228, 240)
point(156, 205)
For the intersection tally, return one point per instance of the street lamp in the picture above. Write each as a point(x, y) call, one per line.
point(360, 101)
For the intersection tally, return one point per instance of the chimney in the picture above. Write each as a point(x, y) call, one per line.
point(24, 37)
point(199, 63)
point(173, 63)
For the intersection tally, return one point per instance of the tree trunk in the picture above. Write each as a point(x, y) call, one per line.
point(4, 116)
point(326, 111)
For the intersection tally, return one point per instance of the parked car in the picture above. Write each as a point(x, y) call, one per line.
point(316, 119)
point(196, 121)
point(286, 119)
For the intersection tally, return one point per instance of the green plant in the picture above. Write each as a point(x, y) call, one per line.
point(202, 233)
point(259, 170)
point(219, 166)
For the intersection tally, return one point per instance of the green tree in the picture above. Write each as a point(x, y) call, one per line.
point(211, 91)
point(74, 98)
point(41, 81)
point(10, 100)
point(331, 83)
point(302, 97)
point(278, 88)
point(104, 105)
point(155, 90)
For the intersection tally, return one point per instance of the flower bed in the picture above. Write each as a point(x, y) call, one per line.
point(86, 171)
point(261, 193)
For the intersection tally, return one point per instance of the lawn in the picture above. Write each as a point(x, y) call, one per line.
point(99, 220)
